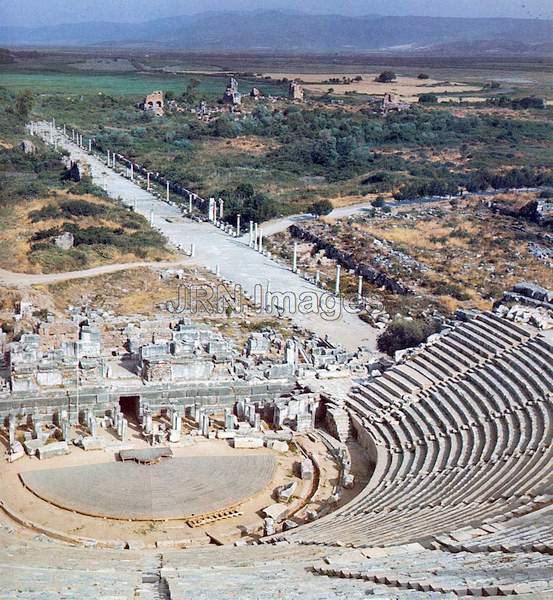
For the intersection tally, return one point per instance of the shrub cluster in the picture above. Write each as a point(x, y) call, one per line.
point(404, 333)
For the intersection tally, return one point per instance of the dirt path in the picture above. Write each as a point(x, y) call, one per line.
point(10, 278)
point(278, 225)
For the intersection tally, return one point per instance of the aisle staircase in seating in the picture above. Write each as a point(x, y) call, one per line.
point(152, 586)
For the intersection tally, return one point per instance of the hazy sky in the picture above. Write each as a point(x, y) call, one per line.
point(48, 12)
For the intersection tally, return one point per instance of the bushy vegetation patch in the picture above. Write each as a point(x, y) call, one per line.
point(405, 333)
point(245, 201)
point(312, 151)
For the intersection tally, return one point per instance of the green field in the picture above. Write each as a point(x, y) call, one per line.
point(121, 84)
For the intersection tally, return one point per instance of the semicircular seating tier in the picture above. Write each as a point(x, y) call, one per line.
point(33, 568)
point(460, 433)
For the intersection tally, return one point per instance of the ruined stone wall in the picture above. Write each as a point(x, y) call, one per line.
point(155, 103)
point(348, 261)
point(295, 91)
point(100, 399)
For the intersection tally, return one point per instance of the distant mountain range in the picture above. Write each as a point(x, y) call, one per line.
point(268, 31)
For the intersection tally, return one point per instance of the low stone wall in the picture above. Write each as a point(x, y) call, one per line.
point(368, 273)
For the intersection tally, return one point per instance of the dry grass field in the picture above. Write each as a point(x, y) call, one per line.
point(18, 236)
point(408, 87)
point(478, 252)
point(229, 148)
point(448, 256)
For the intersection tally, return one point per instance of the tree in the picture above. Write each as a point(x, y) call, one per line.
point(404, 333)
point(189, 95)
point(321, 208)
point(251, 205)
point(386, 77)
point(324, 150)
point(223, 127)
point(380, 202)
point(529, 102)
point(24, 103)
point(244, 191)
point(428, 99)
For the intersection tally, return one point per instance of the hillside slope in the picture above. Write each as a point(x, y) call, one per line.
point(276, 30)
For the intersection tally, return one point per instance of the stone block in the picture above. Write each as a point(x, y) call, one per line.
point(285, 492)
point(174, 436)
point(311, 515)
point(92, 443)
point(65, 241)
point(51, 450)
point(306, 470)
point(249, 442)
point(282, 435)
point(278, 446)
point(166, 544)
point(269, 526)
point(275, 511)
point(31, 446)
point(348, 481)
point(284, 371)
point(16, 456)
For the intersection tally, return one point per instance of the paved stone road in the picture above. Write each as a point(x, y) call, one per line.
point(236, 261)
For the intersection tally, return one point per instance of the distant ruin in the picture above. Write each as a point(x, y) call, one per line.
point(232, 95)
point(295, 92)
point(393, 103)
point(155, 103)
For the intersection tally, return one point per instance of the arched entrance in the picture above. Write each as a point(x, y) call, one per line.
point(130, 407)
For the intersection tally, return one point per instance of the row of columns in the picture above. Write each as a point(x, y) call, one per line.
point(78, 139)
point(111, 163)
point(215, 210)
point(215, 213)
point(318, 275)
point(256, 237)
point(111, 159)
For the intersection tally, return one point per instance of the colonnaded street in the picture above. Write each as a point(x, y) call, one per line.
point(232, 257)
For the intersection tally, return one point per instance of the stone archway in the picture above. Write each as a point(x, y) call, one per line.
point(130, 407)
